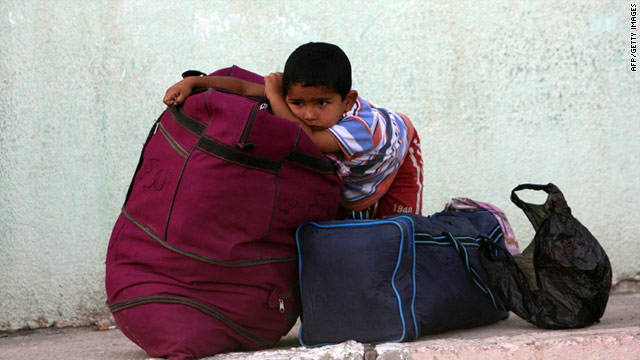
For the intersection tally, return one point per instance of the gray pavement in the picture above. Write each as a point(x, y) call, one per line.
point(617, 336)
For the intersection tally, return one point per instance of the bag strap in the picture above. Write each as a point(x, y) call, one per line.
point(538, 212)
point(473, 273)
point(152, 132)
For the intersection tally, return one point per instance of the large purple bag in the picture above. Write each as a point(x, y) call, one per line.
point(202, 259)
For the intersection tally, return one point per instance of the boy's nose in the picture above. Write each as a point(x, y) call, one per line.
point(309, 114)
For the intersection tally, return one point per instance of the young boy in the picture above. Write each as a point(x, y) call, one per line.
point(380, 148)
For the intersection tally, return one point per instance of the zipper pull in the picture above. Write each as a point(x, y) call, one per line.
point(263, 106)
point(281, 305)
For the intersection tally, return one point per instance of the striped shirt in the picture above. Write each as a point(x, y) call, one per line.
point(373, 141)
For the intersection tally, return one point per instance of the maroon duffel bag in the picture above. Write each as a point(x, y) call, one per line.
point(202, 259)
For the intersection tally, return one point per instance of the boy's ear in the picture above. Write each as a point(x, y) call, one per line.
point(350, 99)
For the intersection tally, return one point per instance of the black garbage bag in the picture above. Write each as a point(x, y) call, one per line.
point(562, 279)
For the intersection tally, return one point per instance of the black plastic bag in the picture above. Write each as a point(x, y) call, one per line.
point(562, 279)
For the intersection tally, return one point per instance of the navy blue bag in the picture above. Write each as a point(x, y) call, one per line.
point(394, 279)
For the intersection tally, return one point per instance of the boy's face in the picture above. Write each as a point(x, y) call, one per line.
point(320, 107)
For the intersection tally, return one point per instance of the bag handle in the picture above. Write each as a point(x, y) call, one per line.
point(538, 212)
point(190, 73)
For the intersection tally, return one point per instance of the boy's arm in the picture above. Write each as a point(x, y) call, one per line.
point(274, 92)
point(177, 93)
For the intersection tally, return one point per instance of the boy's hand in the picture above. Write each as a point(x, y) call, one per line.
point(177, 93)
point(273, 87)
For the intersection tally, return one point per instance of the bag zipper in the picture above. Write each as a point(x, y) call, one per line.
point(206, 259)
point(280, 298)
point(204, 308)
point(172, 142)
point(243, 144)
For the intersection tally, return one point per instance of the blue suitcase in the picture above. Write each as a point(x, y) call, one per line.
point(394, 279)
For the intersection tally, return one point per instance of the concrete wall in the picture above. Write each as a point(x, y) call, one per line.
point(502, 92)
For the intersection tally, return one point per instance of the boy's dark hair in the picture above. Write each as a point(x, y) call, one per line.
point(317, 64)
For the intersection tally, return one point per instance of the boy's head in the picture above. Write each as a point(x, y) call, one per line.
point(317, 84)
point(318, 64)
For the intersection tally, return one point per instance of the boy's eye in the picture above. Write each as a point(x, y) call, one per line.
point(322, 102)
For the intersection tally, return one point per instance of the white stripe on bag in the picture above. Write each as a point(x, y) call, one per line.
point(418, 167)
